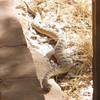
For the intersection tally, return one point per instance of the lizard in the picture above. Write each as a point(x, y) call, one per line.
point(64, 62)
point(19, 67)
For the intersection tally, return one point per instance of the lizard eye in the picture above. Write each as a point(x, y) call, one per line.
point(78, 63)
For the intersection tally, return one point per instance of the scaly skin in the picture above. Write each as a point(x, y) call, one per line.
point(60, 52)
point(63, 61)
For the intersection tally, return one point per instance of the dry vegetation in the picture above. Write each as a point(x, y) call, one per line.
point(75, 18)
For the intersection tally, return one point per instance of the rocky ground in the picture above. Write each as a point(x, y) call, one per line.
point(73, 17)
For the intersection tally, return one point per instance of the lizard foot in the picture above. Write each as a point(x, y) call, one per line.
point(46, 86)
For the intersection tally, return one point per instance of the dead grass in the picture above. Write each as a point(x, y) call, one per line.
point(75, 18)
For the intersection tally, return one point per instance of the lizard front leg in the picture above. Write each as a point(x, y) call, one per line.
point(54, 72)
